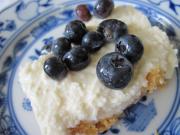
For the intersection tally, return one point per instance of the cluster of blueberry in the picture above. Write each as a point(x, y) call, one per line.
point(115, 69)
point(102, 9)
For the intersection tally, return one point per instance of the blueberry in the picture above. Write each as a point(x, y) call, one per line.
point(103, 8)
point(114, 70)
point(83, 12)
point(54, 68)
point(93, 41)
point(75, 30)
point(61, 46)
point(112, 29)
point(76, 59)
point(131, 47)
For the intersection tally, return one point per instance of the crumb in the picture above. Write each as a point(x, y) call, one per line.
point(105, 124)
point(90, 128)
point(155, 79)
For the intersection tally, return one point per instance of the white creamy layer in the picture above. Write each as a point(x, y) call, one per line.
point(80, 96)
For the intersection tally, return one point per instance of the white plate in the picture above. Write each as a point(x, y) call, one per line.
point(28, 25)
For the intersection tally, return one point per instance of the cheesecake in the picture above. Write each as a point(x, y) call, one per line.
point(80, 104)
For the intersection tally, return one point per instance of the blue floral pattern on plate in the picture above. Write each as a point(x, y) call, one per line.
point(27, 104)
point(135, 121)
point(132, 121)
point(7, 25)
point(24, 7)
point(172, 5)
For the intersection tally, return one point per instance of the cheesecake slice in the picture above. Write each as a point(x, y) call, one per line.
point(80, 103)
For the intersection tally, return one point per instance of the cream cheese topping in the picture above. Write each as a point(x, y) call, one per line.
point(80, 96)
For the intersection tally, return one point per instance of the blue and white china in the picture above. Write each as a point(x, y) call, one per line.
point(27, 25)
